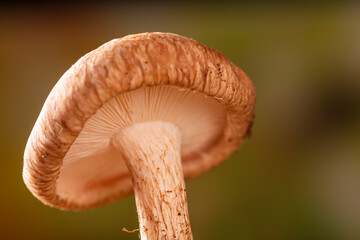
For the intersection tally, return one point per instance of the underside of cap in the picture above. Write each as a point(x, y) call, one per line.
point(67, 162)
point(92, 165)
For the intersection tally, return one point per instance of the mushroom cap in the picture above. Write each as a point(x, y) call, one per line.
point(124, 65)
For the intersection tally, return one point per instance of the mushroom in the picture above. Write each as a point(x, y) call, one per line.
point(140, 113)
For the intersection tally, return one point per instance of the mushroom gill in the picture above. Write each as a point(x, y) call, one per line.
point(92, 167)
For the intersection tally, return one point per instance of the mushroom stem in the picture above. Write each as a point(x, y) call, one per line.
point(152, 154)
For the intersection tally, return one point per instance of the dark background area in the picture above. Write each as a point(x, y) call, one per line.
point(297, 177)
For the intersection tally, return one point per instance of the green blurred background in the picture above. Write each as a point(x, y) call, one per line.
point(297, 177)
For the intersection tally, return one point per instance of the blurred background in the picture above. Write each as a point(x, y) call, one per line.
point(296, 178)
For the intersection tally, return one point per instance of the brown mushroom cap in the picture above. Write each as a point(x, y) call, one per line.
point(117, 68)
